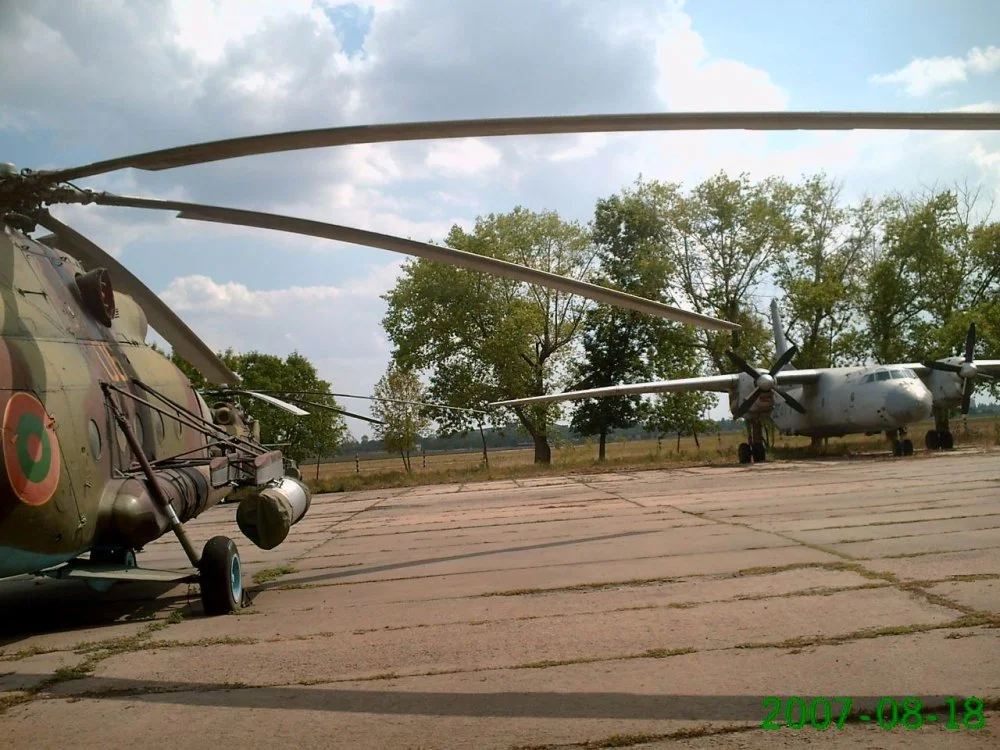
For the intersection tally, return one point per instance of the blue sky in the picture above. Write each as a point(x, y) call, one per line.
point(120, 78)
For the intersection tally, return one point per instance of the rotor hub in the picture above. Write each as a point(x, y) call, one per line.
point(765, 382)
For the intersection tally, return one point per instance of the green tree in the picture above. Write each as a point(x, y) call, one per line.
point(318, 434)
point(728, 234)
point(822, 271)
point(483, 338)
point(630, 233)
point(918, 276)
point(680, 412)
point(403, 423)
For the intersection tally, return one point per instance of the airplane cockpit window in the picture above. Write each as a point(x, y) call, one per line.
point(868, 379)
point(899, 375)
point(882, 375)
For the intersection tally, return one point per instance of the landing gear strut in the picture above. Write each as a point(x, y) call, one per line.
point(940, 438)
point(901, 446)
point(754, 451)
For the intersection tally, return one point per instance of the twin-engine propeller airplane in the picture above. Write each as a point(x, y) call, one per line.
point(827, 402)
point(106, 445)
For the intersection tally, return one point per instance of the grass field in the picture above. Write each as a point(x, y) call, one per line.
point(342, 475)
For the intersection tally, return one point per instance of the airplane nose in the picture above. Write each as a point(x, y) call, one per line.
point(909, 405)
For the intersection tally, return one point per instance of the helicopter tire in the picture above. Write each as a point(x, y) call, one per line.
point(746, 454)
point(221, 577)
point(947, 440)
point(113, 556)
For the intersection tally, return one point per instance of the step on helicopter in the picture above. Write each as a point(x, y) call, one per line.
point(106, 444)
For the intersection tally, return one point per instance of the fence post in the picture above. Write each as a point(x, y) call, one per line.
point(357, 464)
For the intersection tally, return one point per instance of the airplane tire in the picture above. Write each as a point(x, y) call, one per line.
point(897, 447)
point(746, 455)
point(759, 453)
point(221, 577)
point(947, 440)
point(933, 440)
point(907, 447)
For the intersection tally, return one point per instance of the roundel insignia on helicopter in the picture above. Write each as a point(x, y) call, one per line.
point(30, 450)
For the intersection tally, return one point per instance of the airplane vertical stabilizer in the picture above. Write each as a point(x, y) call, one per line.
point(780, 343)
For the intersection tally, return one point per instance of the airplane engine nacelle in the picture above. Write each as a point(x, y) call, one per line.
point(266, 517)
point(945, 387)
point(742, 392)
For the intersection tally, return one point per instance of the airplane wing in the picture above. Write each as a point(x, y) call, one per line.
point(720, 383)
point(708, 383)
point(985, 366)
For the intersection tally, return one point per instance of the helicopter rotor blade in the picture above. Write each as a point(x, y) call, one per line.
point(269, 399)
point(166, 322)
point(201, 153)
point(438, 253)
point(343, 412)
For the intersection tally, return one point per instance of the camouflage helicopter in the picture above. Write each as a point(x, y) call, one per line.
point(106, 444)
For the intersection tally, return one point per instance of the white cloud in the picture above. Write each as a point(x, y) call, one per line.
point(337, 327)
point(922, 75)
point(464, 157)
point(690, 79)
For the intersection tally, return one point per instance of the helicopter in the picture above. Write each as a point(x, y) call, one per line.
point(107, 446)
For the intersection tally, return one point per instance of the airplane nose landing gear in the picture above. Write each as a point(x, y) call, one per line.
point(901, 446)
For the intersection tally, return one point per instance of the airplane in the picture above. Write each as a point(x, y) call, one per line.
point(106, 444)
point(826, 402)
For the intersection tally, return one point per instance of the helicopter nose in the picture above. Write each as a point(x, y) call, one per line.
point(909, 405)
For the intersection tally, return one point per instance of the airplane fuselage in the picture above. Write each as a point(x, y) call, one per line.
point(851, 400)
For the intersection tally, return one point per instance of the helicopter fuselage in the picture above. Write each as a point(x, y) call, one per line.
point(63, 453)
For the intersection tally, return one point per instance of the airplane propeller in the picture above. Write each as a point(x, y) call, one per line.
point(764, 382)
point(967, 371)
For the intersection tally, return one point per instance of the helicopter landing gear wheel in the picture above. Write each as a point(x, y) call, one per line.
point(113, 556)
point(221, 577)
point(746, 453)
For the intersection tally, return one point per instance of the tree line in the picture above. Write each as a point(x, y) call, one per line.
point(890, 278)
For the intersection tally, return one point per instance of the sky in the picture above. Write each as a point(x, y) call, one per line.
point(95, 79)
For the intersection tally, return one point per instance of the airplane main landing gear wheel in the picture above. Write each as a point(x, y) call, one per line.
point(897, 447)
point(939, 440)
point(907, 447)
point(759, 453)
point(746, 454)
point(221, 577)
